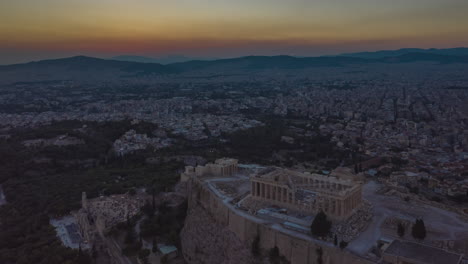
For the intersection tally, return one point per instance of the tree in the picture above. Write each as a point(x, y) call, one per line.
point(155, 246)
point(401, 230)
point(419, 229)
point(153, 195)
point(256, 246)
point(150, 227)
point(321, 225)
point(143, 255)
point(131, 236)
point(83, 259)
point(164, 208)
point(343, 244)
point(164, 259)
point(319, 252)
point(148, 209)
point(173, 237)
point(94, 253)
point(274, 255)
point(129, 222)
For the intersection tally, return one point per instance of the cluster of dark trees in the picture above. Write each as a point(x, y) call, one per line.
point(275, 257)
point(164, 221)
point(418, 230)
point(321, 227)
point(37, 191)
point(258, 144)
point(161, 222)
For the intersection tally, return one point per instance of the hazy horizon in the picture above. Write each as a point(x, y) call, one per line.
point(32, 30)
point(40, 57)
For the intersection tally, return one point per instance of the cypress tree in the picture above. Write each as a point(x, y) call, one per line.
point(321, 225)
point(401, 230)
point(419, 229)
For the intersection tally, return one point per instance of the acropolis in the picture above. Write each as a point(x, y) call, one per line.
point(278, 205)
point(300, 191)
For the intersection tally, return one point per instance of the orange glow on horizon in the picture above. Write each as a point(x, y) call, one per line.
point(239, 27)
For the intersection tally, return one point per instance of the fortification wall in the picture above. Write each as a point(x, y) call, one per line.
point(295, 249)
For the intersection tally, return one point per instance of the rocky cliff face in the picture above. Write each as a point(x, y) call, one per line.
point(205, 241)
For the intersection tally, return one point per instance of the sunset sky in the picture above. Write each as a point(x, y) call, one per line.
point(38, 29)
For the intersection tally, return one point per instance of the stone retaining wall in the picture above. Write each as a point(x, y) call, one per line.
point(295, 249)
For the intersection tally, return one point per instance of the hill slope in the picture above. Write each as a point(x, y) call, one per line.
point(394, 53)
point(161, 60)
point(79, 68)
point(267, 62)
point(87, 69)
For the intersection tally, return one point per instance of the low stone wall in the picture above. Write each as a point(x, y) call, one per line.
point(295, 249)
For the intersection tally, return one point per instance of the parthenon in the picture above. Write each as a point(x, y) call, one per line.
point(337, 195)
point(307, 192)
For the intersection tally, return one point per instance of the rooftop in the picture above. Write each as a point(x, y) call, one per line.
point(166, 249)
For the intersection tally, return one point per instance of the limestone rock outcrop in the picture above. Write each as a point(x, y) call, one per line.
point(205, 241)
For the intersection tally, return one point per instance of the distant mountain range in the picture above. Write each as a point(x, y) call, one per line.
point(161, 60)
point(90, 69)
point(288, 62)
point(393, 53)
point(83, 63)
point(363, 55)
point(82, 68)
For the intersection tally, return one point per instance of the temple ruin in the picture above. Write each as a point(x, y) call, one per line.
point(220, 168)
point(307, 192)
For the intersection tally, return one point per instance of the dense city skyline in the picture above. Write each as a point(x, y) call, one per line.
point(49, 29)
